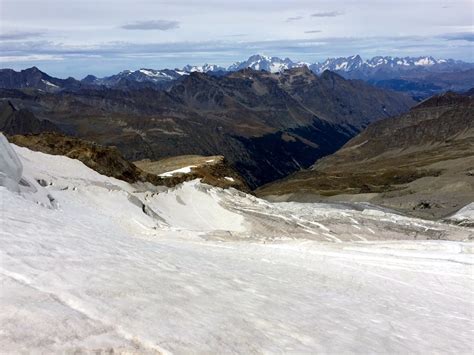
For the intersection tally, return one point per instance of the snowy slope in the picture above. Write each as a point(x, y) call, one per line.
point(111, 266)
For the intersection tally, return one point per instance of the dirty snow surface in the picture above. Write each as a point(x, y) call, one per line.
point(101, 265)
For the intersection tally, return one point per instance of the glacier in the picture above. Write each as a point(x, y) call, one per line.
point(89, 263)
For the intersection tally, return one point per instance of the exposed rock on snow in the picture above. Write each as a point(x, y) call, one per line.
point(212, 170)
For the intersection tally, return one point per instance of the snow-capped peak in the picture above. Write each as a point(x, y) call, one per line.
point(426, 61)
point(203, 68)
point(339, 64)
point(263, 62)
point(352, 64)
point(355, 62)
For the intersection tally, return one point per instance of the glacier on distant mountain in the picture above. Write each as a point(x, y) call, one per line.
point(270, 64)
point(203, 68)
point(342, 64)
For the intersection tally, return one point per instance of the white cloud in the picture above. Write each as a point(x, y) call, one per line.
point(30, 58)
point(162, 25)
point(295, 18)
point(19, 35)
point(327, 14)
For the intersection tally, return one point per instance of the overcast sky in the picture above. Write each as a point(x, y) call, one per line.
point(102, 37)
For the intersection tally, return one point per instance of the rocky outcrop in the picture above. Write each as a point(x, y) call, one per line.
point(211, 170)
point(105, 160)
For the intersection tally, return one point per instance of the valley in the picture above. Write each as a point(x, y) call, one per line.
point(419, 163)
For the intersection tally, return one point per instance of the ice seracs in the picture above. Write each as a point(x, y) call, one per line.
point(11, 168)
point(15, 178)
point(465, 216)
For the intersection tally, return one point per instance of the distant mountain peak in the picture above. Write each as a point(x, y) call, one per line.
point(203, 68)
point(33, 69)
point(263, 62)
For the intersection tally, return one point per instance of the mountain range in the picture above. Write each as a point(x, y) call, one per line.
point(267, 125)
point(421, 77)
point(341, 64)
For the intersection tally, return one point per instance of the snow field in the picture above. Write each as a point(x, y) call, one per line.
point(137, 269)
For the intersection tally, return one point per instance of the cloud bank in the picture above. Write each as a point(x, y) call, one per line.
point(19, 35)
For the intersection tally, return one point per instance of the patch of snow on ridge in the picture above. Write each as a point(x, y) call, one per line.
point(49, 83)
point(153, 73)
point(426, 61)
point(140, 269)
point(184, 170)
